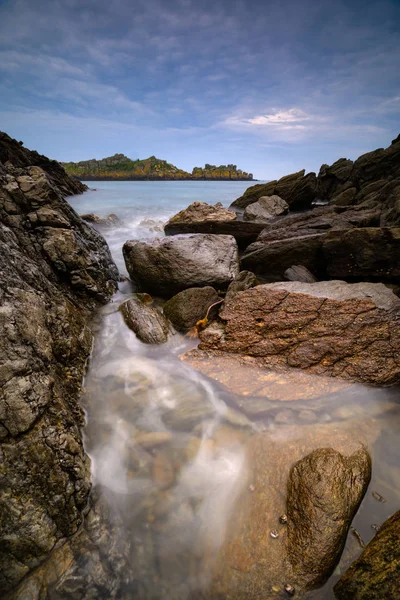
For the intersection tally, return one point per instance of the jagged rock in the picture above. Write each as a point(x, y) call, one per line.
point(201, 211)
point(364, 253)
point(169, 265)
point(332, 178)
point(265, 209)
point(110, 221)
point(189, 306)
point(344, 198)
point(376, 574)
point(331, 328)
point(299, 273)
point(146, 321)
point(253, 194)
point(324, 492)
point(55, 268)
point(244, 281)
point(244, 232)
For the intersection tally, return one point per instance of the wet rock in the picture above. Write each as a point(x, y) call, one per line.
point(146, 321)
point(152, 225)
point(201, 211)
point(324, 492)
point(250, 563)
point(191, 305)
point(169, 265)
point(299, 273)
point(110, 221)
point(244, 281)
point(265, 209)
point(55, 269)
point(330, 328)
point(376, 574)
point(367, 253)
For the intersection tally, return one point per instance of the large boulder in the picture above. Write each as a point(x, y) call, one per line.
point(189, 306)
point(376, 574)
point(324, 492)
point(201, 211)
point(166, 266)
point(331, 328)
point(371, 253)
point(55, 268)
point(265, 209)
point(146, 321)
point(253, 194)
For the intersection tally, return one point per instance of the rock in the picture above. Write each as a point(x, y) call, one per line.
point(148, 323)
point(297, 189)
point(244, 232)
point(265, 209)
point(244, 281)
point(344, 198)
point(152, 225)
point(376, 574)
point(201, 211)
point(110, 221)
point(250, 563)
point(364, 253)
point(329, 328)
point(332, 178)
point(324, 492)
point(299, 273)
point(55, 269)
point(253, 194)
point(271, 259)
point(189, 306)
point(169, 265)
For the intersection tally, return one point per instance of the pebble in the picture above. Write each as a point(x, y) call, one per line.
point(289, 589)
point(274, 534)
point(283, 519)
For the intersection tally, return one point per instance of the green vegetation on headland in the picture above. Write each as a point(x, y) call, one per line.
point(120, 167)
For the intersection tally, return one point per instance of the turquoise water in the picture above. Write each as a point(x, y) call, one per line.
point(137, 202)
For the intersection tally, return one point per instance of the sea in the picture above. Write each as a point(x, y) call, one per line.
point(169, 447)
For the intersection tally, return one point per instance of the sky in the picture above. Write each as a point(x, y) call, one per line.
point(273, 86)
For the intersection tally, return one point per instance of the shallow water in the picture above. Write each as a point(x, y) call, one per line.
point(169, 448)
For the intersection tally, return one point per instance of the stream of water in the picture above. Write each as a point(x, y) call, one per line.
point(170, 448)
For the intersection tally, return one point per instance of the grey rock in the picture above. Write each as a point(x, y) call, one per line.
point(244, 281)
point(191, 305)
point(146, 321)
point(266, 208)
point(169, 265)
point(299, 273)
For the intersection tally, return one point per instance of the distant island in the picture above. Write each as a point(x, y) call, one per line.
point(121, 168)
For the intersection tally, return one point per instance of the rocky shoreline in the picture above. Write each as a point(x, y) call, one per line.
point(283, 294)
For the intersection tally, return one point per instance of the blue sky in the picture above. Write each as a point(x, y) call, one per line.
point(272, 86)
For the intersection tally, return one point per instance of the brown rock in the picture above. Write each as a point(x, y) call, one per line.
point(330, 328)
point(376, 574)
point(201, 211)
point(149, 324)
point(265, 209)
point(191, 305)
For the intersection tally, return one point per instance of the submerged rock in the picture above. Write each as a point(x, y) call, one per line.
point(376, 574)
point(265, 209)
point(166, 266)
point(146, 321)
point(189, 306)
point(324, 492)
point(110, 221)
point(331, 328)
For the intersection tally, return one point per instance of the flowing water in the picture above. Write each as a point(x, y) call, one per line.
point(170, 448)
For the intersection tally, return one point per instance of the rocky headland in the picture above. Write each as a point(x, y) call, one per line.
point(121, 168)
point(293, 294)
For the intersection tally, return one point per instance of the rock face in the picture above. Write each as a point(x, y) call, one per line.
point(189, 306)
point(266, 209)
point(54, 269)
point(298, 189)
point(367, 253)
point(149, 324)
point(376, 574)
point(324, 492)
point(201, 211)
point(330, 328)
point(169, 265)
